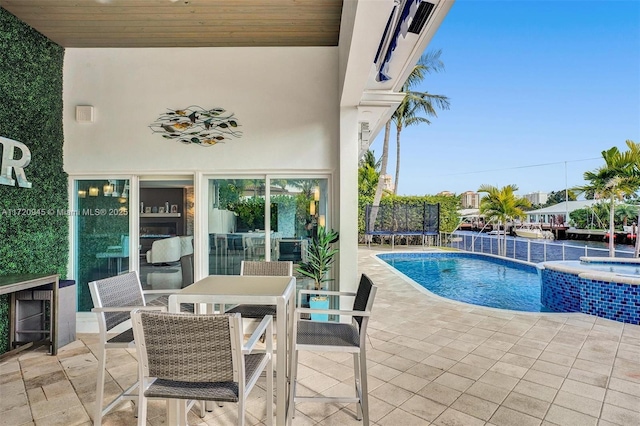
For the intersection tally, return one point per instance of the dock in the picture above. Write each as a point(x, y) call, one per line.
point(621, 237)
point(586, 234)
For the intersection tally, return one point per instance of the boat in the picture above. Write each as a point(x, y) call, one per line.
point(534, 231)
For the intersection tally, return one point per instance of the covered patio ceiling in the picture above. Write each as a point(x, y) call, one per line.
point(379, 41)
point(182, 23)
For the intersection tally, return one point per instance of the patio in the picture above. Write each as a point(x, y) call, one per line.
point(431, 361)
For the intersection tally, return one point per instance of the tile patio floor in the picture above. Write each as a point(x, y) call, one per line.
point(430, 361)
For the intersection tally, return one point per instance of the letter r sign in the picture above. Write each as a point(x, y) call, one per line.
point(9, 163)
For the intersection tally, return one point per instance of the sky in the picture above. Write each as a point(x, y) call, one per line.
point(538, 89)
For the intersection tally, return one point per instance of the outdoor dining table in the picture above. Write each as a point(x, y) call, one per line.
point(256, 290)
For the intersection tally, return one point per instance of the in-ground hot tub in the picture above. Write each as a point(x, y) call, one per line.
point(606, 287)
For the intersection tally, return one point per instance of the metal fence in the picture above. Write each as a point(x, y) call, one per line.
point(401, 220)
point(534, 251)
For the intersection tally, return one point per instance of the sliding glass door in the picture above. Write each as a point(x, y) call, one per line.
point(300, 206)
point(166, 221)
point(253, 217)
point(101, 222)
point(242, 225)
point(236, 223)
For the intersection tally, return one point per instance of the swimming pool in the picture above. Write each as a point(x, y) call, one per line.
point(472, 278)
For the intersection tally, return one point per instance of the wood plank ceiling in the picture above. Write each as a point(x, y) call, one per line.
point(182, 23)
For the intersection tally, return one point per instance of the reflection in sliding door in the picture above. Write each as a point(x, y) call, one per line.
point(101, 233)
point(236, 222)
point(238, 229)
point(301, 206)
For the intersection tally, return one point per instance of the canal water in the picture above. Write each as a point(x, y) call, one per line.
point(537, 250)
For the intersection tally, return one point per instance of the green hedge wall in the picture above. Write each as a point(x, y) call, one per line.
point(449, 217)
point(31, 112)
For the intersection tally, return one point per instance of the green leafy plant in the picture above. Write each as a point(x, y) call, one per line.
point(320, 257)
point(31, 113)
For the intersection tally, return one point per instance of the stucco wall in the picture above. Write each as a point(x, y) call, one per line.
point(286, 100)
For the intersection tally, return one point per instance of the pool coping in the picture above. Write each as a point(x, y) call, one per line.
point(595, 275)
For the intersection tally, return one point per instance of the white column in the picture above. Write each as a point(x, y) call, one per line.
point(347, 208)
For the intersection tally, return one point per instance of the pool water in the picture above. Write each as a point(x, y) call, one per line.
point(475, 279)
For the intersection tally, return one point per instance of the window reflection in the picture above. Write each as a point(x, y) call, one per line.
point(236, 223)
point(301, 207)
point(102, 232)
point(238, 229)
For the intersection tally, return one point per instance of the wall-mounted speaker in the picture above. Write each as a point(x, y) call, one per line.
point(85, 114)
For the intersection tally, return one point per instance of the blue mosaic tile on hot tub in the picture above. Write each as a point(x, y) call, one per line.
point(610, 300)
point(566, 292)
point(560, 292)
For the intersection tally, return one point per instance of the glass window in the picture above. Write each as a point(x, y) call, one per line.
point(166, 213)
point(300, 207)
point(102, 233)
point(238, 225)
point(236, 222)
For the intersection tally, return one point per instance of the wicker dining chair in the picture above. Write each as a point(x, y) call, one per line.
point(200, 357)
point(113, 299)
point(320, 336)
point(261, 268)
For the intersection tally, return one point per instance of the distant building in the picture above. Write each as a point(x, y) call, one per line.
point(387, 183)
point(558, 213)
point(470, 200)
point(537, 197)
point(446, 193)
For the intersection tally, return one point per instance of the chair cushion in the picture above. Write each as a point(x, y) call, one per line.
point(124, 337)
point(254, 311)
point(215, 391)
point(327, 334)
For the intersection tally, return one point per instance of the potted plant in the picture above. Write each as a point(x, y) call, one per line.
point(320, 258)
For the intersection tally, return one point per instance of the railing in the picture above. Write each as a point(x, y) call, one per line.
point(534, 251)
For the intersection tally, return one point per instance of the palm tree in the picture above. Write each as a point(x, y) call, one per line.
point(369, 159)
point(634, 157)
point(557, 197)
point(368, 174)
point(429, 62)
point(280, 183)
point(384, 159)
point(416, 103)
point(306, 186)
point(624, 212)
point(501, 205)
point(619, 177)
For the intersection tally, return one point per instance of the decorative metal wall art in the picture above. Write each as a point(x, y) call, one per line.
point(196, 125)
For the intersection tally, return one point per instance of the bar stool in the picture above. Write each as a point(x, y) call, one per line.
point(32, 314)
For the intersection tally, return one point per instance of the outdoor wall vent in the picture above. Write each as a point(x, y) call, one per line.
point(85, 114)
point(421, 17)
point(365, 133)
